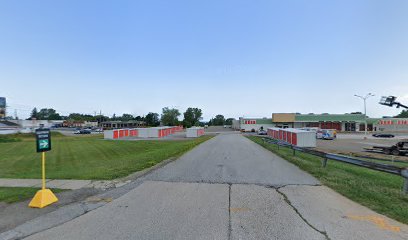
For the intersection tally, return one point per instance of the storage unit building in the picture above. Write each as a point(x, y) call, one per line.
point(108, 134)
point(143, 132)
point(154, 132)
point(300, 138)
point(194, 132)
point(293, 136)
point(133, 133)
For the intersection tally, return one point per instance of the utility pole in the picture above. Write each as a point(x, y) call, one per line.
point(365, 110)
point(100, 118)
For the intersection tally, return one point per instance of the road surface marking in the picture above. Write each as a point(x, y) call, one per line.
point(378, 221)
point(239, 209)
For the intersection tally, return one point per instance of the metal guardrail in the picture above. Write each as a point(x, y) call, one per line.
point(403, 172)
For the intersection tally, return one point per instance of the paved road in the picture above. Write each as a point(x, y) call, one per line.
point(229, 188)
point(231, 158)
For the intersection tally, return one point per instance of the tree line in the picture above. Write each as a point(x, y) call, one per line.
point(168, 117)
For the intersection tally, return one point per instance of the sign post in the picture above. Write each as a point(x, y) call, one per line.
point(43, 197)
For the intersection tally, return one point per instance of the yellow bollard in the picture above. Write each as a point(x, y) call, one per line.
point(43, 197)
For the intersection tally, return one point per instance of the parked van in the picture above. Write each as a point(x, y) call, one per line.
point(326, 134)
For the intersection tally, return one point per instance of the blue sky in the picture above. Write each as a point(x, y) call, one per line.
point(237, 58)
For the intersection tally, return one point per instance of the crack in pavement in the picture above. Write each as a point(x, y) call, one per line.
point(274, 186)
point(88, 206)
point(286, 199)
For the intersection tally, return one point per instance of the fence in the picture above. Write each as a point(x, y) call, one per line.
point(403, 172)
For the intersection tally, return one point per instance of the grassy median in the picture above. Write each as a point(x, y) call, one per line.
point(376, 190)
point(17, 194)
point(86, 157)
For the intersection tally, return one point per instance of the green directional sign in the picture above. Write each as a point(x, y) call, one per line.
point(43, 137)
point(43, 144)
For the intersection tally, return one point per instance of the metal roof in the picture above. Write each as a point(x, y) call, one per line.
point(329, 117)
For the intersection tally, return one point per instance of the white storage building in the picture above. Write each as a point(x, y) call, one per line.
point(143, 132)
point(293, 136)
point(194, 132)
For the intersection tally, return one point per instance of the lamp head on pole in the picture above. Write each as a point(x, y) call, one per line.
point(388, 101)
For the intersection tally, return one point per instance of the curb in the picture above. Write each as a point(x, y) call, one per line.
point(72, 211)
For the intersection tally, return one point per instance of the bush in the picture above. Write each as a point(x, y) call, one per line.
point(9, 139)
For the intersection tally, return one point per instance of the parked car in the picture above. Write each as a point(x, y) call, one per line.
point(383, 135)
point(261, 132)
point(82, 131)
point(98, 130)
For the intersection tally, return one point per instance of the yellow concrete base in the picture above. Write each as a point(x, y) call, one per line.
point(43, 198)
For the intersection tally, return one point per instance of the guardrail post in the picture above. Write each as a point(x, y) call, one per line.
point(405, 187)
point(324, 162)
point(294, 152)
point(404, 174)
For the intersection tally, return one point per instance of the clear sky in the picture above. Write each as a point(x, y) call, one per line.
point(237, 58)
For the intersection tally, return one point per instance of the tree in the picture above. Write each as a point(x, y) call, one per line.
point(75, 117)
point(170, 116)
point(229, 121)
point(403, 114)
point(139, 118)
point(192, 117)
point(86, 117)
point(152, 119)
point(126, 117)
point(81, 117)
point(219, 120)
point(48, 114)
point(101, 118)
point(34, 114)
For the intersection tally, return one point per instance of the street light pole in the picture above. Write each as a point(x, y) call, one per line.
point(365, 110)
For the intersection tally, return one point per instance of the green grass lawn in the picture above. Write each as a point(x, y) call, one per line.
point(376, 190)
point(17, 194)
point(86, 157)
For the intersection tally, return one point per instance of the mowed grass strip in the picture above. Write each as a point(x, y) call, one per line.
point(17, 194)
point(376, 190)
point(87, 157)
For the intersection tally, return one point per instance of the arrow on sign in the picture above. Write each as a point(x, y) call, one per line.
point(43, 144)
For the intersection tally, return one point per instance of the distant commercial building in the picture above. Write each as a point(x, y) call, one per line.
point(36, 123)
point(2, 107)
point(7, 125)
point(121, 124)
point(252, 124)
point(340, 122)
point(79, 124)
point(389, 124)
